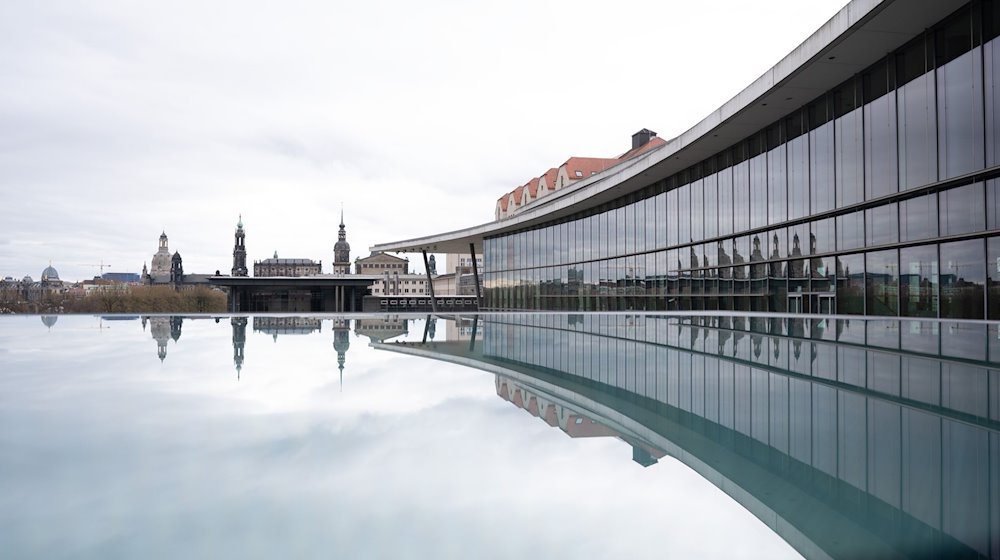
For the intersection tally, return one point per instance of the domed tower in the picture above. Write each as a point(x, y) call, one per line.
point(342, 250)
point(240, 251)
point(160, 266)
point(50, 275)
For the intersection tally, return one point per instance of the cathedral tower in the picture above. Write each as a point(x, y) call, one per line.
point(240, 251)
point(161, 260)
point(342, 250)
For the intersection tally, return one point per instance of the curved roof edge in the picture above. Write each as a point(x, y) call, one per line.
point(859, 34)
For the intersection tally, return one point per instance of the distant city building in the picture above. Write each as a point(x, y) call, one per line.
point(287, 267)
point(381, 263)
point(123, 277)
point(396, 284)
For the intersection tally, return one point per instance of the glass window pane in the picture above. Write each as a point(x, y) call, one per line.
point(758, 191)
point(798, 177)
point(711, 206)
point(741, 197)
point(881, 225)
point(991, 85)
point(880, 147)
point(821, 186)
point(822, 238)
point(851, 284)
point(851, 231)
point(684, 214)
point(917, 218)
point(672, 218)
point(918, 281)
point(849, 159)
point(726, 201)
point(917, 139)
point(993, 204)
point(993, 278)
point(962, 210)
point(697, 210)
point(882, 282)
point(960, 114)
point(777, 185)
point(963, 279)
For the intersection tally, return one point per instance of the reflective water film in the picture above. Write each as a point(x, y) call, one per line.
point(493, 436)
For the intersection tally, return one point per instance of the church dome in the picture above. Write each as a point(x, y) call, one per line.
point(49, 274)
point(342, 245)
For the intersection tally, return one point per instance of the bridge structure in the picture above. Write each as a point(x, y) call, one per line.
point(327, 293)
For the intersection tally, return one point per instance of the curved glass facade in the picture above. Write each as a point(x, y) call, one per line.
point(880, 197)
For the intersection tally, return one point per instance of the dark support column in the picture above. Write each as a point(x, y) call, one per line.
point(427, 325)
point(475, 325)
point(430, 283)
point(475, 275)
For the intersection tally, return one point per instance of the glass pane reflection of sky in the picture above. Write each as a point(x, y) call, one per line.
point(594, 436)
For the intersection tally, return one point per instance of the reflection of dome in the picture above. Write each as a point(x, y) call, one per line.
point(27, 280)
point(49, 274)
point(49, 320)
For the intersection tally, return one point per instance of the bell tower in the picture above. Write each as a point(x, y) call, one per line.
point(342, 250)
point(240, 251)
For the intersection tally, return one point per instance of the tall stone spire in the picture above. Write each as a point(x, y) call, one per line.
point(342, 250)
point(240, 251)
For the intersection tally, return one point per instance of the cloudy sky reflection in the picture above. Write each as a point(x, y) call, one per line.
point(109, 452)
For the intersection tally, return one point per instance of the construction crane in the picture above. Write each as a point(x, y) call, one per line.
point(100, 267)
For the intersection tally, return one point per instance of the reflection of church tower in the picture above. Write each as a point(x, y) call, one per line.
point(159, 327)
point(239, 341)
point(240, 251)
point(342, 250)
point(341, 343)
point(175, 327)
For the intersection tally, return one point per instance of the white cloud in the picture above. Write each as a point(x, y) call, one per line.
point(118, 119)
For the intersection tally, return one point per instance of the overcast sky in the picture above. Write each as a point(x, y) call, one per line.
point(122, 119)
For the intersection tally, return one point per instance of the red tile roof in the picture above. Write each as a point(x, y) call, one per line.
point(550, 178)
point(654, 142)
point(517, 195)
point(533, 188)
point(587, 166)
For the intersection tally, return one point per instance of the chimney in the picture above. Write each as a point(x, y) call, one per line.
point(642, 137)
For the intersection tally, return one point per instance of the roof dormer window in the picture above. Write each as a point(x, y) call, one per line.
point(579, 173)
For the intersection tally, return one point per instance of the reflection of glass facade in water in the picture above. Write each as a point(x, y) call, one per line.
point(879, 197)
point(849, 438)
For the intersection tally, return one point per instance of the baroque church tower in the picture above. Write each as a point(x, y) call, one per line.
point(240, 251)
point(342, 250)
point(161, 260)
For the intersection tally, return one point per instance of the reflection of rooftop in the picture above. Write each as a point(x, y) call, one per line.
point(380, 329)
point(849, 438)
point(287, 325)
point(575, 425)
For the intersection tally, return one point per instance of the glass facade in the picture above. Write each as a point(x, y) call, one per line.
point(879, 197)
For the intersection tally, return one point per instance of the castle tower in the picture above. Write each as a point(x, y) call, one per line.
point(342, 250)
point(240, 251)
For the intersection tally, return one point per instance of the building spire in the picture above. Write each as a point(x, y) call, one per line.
point(341, 215)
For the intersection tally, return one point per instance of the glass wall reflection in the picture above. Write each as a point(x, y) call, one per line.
point(856, 438)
